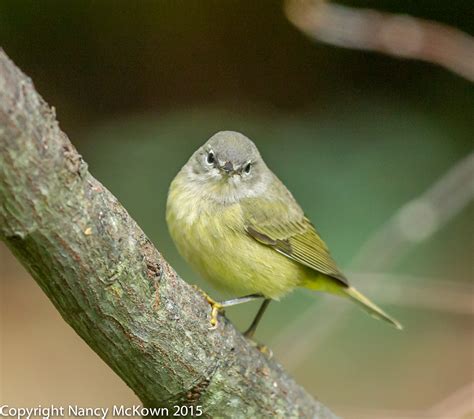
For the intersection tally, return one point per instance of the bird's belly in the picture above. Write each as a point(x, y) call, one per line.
point(230, 259)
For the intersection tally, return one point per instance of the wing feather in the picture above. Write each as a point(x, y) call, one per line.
point(285, 228)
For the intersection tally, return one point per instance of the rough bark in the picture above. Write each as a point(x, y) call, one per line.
point(112, 286)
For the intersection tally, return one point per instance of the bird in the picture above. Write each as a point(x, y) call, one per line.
point(238, 226)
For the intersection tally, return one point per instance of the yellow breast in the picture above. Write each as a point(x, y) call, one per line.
point(212, 239)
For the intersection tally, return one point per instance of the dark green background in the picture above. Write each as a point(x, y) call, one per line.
point(355, 135)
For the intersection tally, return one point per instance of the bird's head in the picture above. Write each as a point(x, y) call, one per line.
point(229, 167)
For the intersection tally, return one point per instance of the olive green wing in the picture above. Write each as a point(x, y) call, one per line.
point(281, 224)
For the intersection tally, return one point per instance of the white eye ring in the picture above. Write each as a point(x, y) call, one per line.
point(247, 167)
point(210, 158)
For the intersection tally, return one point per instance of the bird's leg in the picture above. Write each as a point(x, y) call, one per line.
point(253, 327)
point(217, 306)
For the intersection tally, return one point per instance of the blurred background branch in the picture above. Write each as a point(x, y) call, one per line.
point(393, 34)
point(414, 222)
point(419, 219)
point(403, 36)
point(442, 295)
point(458, 405)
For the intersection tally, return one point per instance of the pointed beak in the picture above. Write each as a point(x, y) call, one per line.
point(228, 167)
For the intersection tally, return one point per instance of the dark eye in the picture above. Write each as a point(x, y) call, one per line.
point(247, 167)
point(210, 159)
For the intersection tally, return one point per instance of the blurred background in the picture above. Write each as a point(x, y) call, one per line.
point(376, 149)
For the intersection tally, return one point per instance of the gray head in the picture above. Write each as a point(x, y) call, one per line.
point(229, 165)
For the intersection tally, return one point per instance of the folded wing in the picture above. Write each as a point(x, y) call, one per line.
point(283, 226)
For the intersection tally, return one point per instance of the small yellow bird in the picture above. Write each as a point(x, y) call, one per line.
point(236, 223)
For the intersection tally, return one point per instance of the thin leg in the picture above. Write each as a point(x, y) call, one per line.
point(217, 306)
point(253, 327)
point(240, 300)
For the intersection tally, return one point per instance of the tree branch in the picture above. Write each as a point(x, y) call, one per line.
point(112, 286)
point(401, 36)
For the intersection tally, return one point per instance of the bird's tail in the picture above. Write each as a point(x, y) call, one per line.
point(369, 306)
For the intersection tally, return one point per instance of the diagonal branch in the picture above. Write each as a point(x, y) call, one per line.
point(112, 286)
point(401, 36)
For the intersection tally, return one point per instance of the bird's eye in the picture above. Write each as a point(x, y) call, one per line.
point(247, 167)
point(211, 158)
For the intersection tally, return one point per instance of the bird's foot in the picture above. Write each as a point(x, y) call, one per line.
point(215, 308)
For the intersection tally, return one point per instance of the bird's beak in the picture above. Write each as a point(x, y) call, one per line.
point(228, 168)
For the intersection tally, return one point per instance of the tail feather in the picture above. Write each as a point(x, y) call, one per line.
point(370, 307)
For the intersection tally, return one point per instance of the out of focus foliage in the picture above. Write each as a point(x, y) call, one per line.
point(96, 58)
